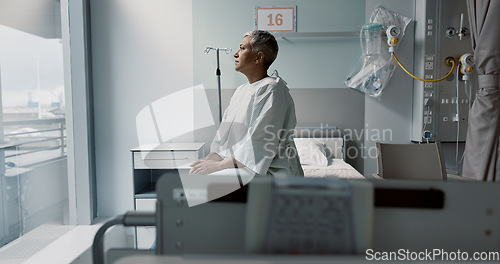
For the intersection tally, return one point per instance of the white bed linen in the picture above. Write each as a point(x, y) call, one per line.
point(337, 168)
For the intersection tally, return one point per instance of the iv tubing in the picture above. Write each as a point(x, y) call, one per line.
point(420, 79)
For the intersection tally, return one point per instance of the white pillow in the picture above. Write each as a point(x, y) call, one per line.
point(311, 152)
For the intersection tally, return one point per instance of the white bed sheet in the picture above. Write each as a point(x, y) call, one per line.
point(337, 168)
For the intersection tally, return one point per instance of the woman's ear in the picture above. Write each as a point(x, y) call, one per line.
point(259, 57)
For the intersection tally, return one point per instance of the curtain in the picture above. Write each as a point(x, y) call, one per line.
point(482, 147)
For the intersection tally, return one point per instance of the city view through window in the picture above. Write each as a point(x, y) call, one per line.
point(32, 86)
point(33, 180)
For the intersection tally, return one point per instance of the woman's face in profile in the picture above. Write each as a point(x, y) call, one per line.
point(244, 57)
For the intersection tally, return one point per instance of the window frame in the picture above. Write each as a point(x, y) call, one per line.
point(75, 25)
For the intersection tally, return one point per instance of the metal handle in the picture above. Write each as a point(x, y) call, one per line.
point(131, 218)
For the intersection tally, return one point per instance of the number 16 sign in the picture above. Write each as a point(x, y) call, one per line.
point(276, 19)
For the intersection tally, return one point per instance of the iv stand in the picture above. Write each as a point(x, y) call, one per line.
point(218, 73)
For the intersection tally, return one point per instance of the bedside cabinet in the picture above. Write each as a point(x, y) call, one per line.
point(149, 162)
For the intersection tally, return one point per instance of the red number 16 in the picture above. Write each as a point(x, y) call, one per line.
point(278, 19)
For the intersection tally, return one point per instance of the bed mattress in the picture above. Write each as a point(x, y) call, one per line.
point(337, 168)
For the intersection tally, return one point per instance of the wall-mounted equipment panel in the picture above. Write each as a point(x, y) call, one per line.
point(441, 109)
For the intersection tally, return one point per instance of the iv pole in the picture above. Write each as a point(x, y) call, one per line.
point(218, 73)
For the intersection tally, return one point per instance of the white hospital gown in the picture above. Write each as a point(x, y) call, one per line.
point(257, 129)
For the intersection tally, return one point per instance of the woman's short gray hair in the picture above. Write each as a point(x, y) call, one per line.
point(261, 40)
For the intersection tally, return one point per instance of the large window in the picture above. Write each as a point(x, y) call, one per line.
point(33, 169)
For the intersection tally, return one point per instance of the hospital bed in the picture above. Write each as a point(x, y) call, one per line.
point(322, 153)
point(379, 216)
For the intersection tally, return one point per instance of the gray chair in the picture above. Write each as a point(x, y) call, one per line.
point(411, 161)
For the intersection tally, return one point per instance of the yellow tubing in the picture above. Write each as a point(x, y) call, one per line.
point(424, 80)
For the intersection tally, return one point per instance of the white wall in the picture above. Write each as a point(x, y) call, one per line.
point(142, 51)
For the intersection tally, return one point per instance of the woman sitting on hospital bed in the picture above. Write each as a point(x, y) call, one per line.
point(256, 131)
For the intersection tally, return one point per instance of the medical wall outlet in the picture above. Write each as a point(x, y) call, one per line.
point(466, 66)
point(427, 134)
point(441, 32)
point(392, 33)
